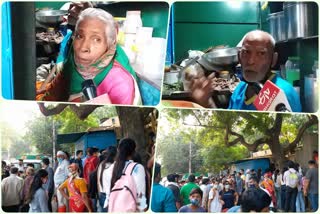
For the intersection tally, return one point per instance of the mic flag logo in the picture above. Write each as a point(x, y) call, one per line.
point(266, 96)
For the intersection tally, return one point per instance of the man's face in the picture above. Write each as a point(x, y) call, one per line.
point(253, 182)
point(20, 163)
point(256, 57)
point(195, 196)
point(90, 41)
point(80, 154)
point(60, 156)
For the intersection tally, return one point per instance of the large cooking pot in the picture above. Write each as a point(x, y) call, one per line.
point(301, 19)
point(50, 17)
point(222, 56)
point(277, 26)
point(311, 93)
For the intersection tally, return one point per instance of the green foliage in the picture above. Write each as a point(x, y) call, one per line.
point(40, 129)
point(40, 134)
point(218, 157)
point(12, 144)
point(68, 122)
point(20, 147)
point(207, 130)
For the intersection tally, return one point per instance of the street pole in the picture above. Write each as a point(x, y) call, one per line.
point(190, 157)
point(53, 141)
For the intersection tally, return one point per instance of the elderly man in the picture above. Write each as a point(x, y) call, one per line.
point(257, 57)
point(60, 175)
point(11, 188)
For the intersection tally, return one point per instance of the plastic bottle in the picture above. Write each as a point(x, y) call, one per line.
point(315, 69)
point(133, 21)
point(292, 69)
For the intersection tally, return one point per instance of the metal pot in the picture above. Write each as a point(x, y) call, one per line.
point(50, 17)
point(301, 19)
point(277, 26)
point(311, 93)
point(171, 77)
point(222, 56)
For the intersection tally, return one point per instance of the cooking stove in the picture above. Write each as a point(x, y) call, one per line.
point(48, 39)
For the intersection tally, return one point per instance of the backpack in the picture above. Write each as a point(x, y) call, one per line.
point(293, 180)
point(123, 196)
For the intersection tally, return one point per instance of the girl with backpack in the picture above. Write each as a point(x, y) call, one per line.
point(104, 174)
point(128, 186)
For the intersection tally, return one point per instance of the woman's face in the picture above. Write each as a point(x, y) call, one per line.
point(44, 180)
point(90, 41)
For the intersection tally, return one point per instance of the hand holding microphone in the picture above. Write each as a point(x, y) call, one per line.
point(271, 98)
point(89, 89)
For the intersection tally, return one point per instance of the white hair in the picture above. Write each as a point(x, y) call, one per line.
point(272, 40)
point(104, 16)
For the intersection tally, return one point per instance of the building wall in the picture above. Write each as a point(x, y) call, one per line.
point(199, 25)
point(310, 143)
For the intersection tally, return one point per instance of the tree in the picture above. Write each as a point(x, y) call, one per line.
point(12, 145)
point(39, 134)
point(132, 121)
point(224, 130)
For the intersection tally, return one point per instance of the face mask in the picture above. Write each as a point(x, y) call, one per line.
point(215, 186)
point(252, 186)
point(194, 202)
point(227, 186)
point(59, 160)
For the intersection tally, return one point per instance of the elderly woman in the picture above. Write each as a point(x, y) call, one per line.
point(26, 188)
point(94, 56)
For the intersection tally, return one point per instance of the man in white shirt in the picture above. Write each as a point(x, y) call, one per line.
point(11, 188)
point(290, 178)
point(60, 175)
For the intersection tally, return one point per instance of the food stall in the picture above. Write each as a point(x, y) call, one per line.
point(199, 33)
point(27, 43)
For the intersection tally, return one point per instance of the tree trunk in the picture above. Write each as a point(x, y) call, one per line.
point(278, 155)
point(132, 126)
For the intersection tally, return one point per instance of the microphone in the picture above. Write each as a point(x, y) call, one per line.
point(89, 89)
point(271, 98)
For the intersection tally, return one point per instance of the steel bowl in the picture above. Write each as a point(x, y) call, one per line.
point(222, 56)
point(50, 17)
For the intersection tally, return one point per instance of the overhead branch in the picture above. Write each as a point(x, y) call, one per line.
point(249, 116)
point(240, 139)
point(194, 114)
point(82, 111)
point(313, 120)
point(47, 111)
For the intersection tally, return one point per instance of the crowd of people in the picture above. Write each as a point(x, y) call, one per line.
point(95, 183)
point(288, 190)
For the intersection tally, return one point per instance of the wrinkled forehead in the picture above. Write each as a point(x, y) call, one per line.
point(257, 41)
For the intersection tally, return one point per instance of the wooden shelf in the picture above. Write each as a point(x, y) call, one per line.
point(297, 39)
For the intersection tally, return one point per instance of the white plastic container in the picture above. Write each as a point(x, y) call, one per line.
point(133, 22)
point(143, 38)
point(292, 69)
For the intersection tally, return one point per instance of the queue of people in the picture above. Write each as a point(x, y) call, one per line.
point(288, 190)
point(96, 183)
